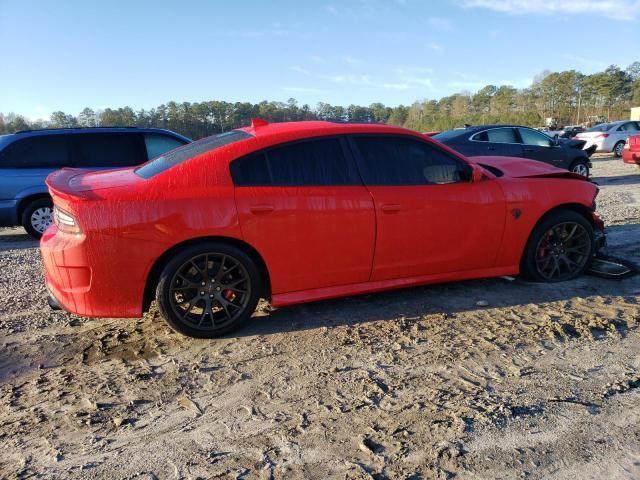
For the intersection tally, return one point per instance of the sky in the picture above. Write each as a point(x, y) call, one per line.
point(67, 55)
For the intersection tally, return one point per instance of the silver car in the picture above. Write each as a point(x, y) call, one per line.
point(609, 137)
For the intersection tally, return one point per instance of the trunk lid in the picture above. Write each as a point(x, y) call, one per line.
point(79, 183)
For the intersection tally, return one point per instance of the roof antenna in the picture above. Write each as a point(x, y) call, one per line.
point(258, 122)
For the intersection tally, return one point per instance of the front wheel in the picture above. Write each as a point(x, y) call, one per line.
point(560, 248)
point(618, 149)
point(581, 168)
point(208, 290)
point(37, 216)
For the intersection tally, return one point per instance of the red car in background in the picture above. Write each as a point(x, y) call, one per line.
point(631, 151)
point(297, 212)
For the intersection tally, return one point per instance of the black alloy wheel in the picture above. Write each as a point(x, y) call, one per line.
point(560, 248)
point(563, 251)
point(209, 290)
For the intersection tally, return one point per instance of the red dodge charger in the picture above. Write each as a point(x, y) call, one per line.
point(297, 212)
point(631, 151)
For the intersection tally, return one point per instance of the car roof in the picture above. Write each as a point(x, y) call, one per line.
point(319, 127)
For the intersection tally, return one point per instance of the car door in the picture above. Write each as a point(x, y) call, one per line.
point(304, 208)
point(538, 146)
point(501, 141)
point(431, 218)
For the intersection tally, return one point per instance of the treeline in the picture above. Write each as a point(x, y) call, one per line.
point(569, 96)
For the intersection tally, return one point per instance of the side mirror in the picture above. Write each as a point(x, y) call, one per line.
point(477, 174)
point(472, 173)
point(556, 140)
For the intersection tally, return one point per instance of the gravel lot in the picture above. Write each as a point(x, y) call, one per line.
point(542, 382)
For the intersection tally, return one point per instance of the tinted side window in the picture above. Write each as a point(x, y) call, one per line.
point(628, 127)
point(50, 151)
point(502, 135)
point(481, 137)
point(157, 144)
point(390, 160)
point(531, 137)
point(108, 150)
point(308, 163)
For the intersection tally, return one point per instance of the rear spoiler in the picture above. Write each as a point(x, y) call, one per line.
point(58, 183)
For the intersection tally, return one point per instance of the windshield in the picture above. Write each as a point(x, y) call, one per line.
point(603, 127)
point(181, 154)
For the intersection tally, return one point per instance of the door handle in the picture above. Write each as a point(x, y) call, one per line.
point(261, 209)
point(491, 148)
point(529, 150)
point(390, 208)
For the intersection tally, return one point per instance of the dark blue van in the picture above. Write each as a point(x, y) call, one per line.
point(27, 157)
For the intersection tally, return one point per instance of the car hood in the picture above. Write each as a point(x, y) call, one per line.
point(524, 168)
point(70, 182)
point(572, 143)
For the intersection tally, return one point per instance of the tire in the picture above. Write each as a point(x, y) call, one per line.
point(553, 243)
point(618, 149)
point(580, 167)
point(37, 216)
point(191, 291)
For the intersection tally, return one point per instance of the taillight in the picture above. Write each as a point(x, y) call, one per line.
point(602, 135)
point(65, 222)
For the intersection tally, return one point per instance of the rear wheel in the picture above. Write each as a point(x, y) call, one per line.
point(37, 216)
point(581, 168)
point(560, 248)
point(208, 290)
point(618, 149)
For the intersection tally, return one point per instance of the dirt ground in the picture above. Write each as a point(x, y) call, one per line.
point(541, 382)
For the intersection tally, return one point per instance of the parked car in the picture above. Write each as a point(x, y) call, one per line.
point(571, 131)
point(305, 211)
point(609, 137)
point(27, 157)
point(631, 151)
point(517, 141)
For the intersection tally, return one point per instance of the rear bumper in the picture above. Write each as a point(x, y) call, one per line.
point(82, 281)
point(632, 158)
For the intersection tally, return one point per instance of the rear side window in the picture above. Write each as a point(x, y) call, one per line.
point(108, 150)
point(391, 160)
point(308, 163)
point(481, 137)
point(190, 150)
point(502, 135)
point(158, 144)
point(51, 151)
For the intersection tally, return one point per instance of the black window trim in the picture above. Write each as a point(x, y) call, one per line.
point(342, 140)
point(362, 168)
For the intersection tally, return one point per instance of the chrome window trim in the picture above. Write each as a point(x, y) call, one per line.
point(471, 139)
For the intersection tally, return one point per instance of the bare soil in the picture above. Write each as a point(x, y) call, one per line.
point(539, 381)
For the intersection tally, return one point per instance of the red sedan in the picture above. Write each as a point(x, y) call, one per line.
point(297, 212)
point(631, 151)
